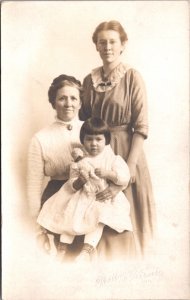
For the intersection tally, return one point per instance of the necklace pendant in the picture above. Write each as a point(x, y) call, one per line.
point(69, 127)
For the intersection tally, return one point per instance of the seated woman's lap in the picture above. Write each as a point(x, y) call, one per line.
point(52, 187)
point(112, 245)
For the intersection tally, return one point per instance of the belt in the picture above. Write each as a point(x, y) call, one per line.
point(124, 127)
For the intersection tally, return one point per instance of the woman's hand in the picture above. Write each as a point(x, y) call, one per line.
point(132, 169)
point(136, 148)
point(104, 195)
point(109, 193)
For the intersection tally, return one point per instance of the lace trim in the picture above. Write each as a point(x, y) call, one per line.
point(113, 78)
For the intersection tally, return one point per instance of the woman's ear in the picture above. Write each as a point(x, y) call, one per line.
point(53, 105)
point(97, 49)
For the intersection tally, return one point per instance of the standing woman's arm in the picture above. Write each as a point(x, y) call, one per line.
point(139, 118)
point(35, 177)
point(136, 148)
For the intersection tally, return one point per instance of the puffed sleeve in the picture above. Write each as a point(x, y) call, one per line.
point(139, 117)
point(35, 176)
point(122, 170)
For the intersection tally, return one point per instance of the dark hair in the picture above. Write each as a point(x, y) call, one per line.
point(111, 25)
point(58, 83)
point(94, 126)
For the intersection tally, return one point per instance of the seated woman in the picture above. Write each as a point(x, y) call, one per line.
point(50, 148)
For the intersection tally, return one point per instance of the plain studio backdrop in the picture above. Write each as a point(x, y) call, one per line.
point(43, 39)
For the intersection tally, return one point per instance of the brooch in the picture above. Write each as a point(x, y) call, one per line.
point(69, 127)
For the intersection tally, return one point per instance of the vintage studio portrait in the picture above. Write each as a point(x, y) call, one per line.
point(95, 150)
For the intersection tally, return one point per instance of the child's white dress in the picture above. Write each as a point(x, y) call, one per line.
point(77, 212)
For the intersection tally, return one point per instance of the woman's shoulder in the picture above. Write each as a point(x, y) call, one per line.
point(58, 130)
point(41, 136)
point(48, 132)
point(93, 73)
point(131, 71)
point(121, 71)
point(45, 130)
point(87, 79)
point(128, 69)
point(122, 68)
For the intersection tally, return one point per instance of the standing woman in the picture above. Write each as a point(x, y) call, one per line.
point(116, 93)
point(50, 148)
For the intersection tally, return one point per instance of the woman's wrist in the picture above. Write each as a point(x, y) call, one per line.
point(131, 162)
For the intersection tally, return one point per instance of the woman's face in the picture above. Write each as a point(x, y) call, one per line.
point(67, 103)
point(94, 143)
point(109, 45)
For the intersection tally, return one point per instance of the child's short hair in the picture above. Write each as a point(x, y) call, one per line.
point(94, 126)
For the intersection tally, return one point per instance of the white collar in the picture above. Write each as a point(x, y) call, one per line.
point(69, 124)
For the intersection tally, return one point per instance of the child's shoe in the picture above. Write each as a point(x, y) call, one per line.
point(43, 241)
point(85, 254)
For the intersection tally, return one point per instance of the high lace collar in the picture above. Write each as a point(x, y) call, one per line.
point(113, 78)
point(69, 124)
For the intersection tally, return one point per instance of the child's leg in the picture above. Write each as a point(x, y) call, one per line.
point(91, 240)
point(94, 237)
point(65, 240)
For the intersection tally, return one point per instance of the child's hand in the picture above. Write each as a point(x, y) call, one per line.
point(84, 176)
point(102, 173)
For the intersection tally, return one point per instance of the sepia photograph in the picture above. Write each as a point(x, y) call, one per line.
point(95, 150)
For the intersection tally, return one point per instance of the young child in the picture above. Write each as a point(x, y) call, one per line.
point(73, 210)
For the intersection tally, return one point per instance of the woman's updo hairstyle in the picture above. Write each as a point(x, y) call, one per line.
point(95, 126)
point(59, 82)
point(111, 25)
